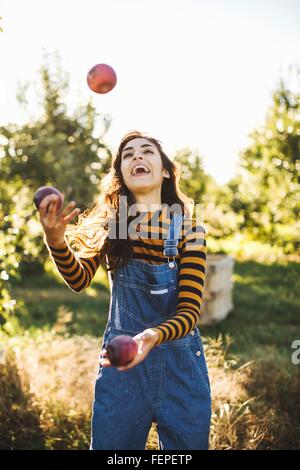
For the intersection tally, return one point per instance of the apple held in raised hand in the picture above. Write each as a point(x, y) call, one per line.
point(121, 350)
point(44, 191)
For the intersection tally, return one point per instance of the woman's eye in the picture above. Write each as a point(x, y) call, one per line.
point(130, 154)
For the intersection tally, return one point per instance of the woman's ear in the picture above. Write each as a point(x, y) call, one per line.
point(166, 174)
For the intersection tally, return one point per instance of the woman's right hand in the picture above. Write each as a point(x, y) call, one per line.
point(54, 224)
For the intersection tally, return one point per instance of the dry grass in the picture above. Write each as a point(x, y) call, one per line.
point(52, 381)
point(48, 373)
point(46, 392)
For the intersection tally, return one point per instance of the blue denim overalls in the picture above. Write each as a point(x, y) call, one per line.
point(171, 386)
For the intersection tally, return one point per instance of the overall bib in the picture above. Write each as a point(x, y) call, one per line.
point(171, 386)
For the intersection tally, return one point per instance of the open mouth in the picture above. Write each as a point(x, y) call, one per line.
point(140, 170)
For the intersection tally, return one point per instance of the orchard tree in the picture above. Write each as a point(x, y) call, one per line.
point(55, 149)
point(266, 192)
point(193, 179)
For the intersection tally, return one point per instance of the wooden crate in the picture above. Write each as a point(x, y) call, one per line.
point(219, 269)
point(217, 295)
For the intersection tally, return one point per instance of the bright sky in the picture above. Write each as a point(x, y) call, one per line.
point(195, 73)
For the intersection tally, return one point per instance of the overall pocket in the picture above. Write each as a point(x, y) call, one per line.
point(196, 352)
point(149, 303)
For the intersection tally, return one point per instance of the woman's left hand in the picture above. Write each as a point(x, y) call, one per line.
point(145, 340)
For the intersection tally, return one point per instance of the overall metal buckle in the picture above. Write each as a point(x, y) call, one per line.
point(172, 263)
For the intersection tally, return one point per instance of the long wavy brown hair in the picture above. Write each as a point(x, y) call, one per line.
point(90, 235)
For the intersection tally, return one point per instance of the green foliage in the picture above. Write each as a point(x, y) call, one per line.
point(219, 217)
point(55, 149)
point(193, 180)
point(9, 257)
point(266, 192)
point(213, 200)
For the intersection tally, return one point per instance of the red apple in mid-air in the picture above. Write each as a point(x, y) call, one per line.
point(44, 191)
point(101, 78)
point(121, 350)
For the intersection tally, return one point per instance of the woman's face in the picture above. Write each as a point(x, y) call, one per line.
point(141, 166)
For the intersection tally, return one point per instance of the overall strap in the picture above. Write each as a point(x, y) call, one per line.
point(170, 244)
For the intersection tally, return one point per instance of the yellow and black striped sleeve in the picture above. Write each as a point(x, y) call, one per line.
point(76, 272)
point(191, 277)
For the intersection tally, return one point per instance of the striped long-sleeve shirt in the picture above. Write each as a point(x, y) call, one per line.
point(78, 272)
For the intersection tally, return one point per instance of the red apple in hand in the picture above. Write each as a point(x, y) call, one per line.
point(44, 191)
point(121, 350)
point(101, 78)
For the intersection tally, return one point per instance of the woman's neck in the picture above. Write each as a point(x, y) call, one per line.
point(148, 203)
point(143, 209)
point(153, 208)
point(148, 206)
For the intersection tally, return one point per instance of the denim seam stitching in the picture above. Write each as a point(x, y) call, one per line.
point(198, 365)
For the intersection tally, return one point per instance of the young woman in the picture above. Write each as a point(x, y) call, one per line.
point(156, 274)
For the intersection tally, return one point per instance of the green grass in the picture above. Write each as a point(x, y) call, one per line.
point(47, 302)
point(262, 326)
point(266, 309)
point(265, 297)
